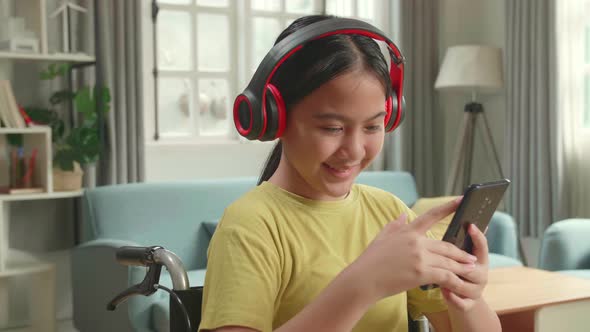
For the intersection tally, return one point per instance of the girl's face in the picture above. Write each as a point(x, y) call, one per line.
point(331, 136)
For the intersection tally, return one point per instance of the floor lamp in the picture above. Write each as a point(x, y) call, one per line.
point(474, 69)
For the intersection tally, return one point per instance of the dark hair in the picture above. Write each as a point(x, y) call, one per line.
point(318, 62)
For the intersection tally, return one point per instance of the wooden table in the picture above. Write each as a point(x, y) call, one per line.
point(528, 299)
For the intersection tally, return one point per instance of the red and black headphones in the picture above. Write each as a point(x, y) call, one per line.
point(259, 111)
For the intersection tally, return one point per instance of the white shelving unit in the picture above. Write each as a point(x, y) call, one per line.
point(35, 13)
point(15, 264)
point(59, 57)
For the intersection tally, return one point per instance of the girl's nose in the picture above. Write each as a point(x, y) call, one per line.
point(352, 147)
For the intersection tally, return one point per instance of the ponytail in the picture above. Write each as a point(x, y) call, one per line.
point(272, 163)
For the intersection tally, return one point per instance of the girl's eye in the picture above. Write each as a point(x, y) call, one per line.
point(374, 128)
point(332, 129)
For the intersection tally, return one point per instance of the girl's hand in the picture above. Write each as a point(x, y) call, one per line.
point(464, 298)
point(401, 257)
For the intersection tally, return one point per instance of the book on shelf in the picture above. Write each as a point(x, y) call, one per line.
point(10, 113)
point(16, 191)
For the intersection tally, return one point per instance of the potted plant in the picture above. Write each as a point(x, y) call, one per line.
point(76, 145)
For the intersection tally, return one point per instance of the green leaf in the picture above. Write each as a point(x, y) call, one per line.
point(15, 139)
point(85, 144)
point(64, 159)
point(47, 117)
point(63, 69)
point(57, 131)
point(40, 115)
point(104, 95)
point(84, 102)
point(61, 96)
point(54, 70)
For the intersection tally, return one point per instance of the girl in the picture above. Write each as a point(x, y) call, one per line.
point(309, 250)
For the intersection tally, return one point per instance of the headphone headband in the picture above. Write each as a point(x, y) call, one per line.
point(255, 93)
point(293, 42)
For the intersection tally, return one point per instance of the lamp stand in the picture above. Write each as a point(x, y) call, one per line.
point(462, 164)
point(461, 168)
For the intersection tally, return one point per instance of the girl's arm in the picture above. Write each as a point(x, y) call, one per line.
point(469, 311)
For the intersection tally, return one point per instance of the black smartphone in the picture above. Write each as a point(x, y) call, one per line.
point(479, 203)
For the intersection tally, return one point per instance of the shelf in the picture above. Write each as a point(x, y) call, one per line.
point(22, 262)
point(24, 269)
point(47, 57)
point(28, 130)
point(37, 196)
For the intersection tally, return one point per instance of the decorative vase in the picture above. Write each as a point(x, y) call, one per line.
point(67, 180)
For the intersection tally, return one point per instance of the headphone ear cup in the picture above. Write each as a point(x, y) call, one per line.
point(388, 111)
point(395, 114)
point(271, 109)
point(275, 114)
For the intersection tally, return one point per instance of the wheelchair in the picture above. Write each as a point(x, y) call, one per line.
point(185, 301)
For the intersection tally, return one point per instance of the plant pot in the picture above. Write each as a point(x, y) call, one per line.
point(67, 180)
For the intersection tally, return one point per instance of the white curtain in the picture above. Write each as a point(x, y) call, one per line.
point(414, 146)
point(532, 150)
point(573, 18)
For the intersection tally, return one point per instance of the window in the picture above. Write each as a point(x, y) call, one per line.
point(207, 50)
point(196, 67)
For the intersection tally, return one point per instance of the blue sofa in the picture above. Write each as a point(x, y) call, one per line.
point(565, 248)
point(181, 217)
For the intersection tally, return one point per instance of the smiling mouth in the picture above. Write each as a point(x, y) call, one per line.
point(340, 169)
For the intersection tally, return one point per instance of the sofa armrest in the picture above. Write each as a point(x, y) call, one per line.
point(565, 245)
point(96, 279)
point(502, 235)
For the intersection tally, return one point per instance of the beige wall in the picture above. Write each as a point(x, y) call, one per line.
point(166, 162)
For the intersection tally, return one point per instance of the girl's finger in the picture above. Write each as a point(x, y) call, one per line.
point(463, 288)
point(452, 265)
point(425, 221)
point(477, 275)
point(449, 250)
point(480, 244)
point(454, 299)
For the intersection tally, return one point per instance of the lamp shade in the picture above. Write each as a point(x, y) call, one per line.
point(471, 68)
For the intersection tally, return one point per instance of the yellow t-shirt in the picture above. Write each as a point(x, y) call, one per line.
point(273, 252)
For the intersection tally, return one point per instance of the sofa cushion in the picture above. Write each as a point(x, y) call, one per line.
point(497, 260)
point(577, 273)
point(401, 184)
point(210, 226)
